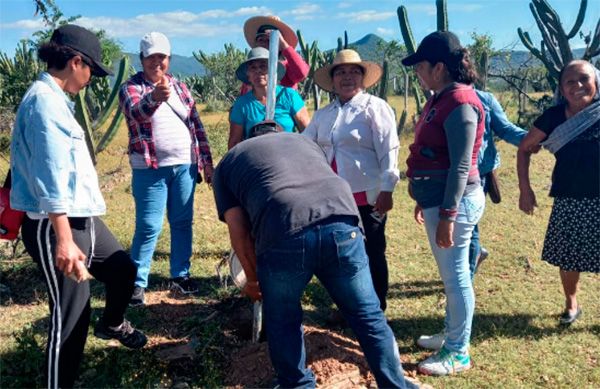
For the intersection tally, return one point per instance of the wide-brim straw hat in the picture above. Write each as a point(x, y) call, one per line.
point(253, 24)
point(323, 76)
point(253, 55)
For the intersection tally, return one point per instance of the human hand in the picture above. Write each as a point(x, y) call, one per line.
point(443, 234)
point(282, 43)
point(162, 90)
point(252, 290)
point(419, 215)
point(384, 202)
point(208, 173)
point(70, 259)
point(527, 201)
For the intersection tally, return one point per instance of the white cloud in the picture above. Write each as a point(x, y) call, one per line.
point(366, 16)
point(385, 31)
point(25, 24)
point(244, 11)
point(429, 10)
point(343, 5)
point(304, 11)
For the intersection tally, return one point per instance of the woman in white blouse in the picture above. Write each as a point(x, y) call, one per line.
point(357, 131)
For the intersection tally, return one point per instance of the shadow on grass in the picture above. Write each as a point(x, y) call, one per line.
point(415, 289)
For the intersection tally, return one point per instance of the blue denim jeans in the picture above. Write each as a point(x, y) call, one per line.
point(475, 246)
point(334, 251)
point(170, 187)
point(453, 265)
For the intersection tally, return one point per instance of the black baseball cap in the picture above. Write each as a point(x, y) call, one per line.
point(85, 42)
point(436, 47)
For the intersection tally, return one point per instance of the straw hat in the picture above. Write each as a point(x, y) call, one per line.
point(253, 55)
point(254, 24)
point(373, 72)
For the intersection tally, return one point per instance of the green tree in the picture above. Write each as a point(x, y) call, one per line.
point(221, 82)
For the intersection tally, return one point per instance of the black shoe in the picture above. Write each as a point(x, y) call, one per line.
point(137, 298)
point(482, 257)
point(569, 318)
point(184, 285)
point(125, 333)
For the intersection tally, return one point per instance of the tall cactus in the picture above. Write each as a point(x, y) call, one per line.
point(98, 134)
point(314, 58)
point(442, 15)
point(555, 51)
point(383, 83)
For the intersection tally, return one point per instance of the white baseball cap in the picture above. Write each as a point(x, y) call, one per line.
point(153, 43)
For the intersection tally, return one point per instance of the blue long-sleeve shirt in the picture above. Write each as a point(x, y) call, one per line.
point(496, 123)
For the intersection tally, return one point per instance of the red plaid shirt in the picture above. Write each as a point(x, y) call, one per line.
point(135, 99)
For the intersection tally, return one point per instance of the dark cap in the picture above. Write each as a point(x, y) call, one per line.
point(84, 42)
point(439, 46)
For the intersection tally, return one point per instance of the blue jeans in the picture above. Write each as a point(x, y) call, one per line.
point(475, 246)
point(334, 251)
point(170, 187)
point(453, 265)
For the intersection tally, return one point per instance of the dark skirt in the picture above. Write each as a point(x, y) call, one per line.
point(573, 236)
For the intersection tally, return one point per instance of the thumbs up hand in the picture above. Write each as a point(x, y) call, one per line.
point(162, 90)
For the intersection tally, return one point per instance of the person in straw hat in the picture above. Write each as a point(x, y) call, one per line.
point(249, 110)
point(358, 133)
point(257, 31)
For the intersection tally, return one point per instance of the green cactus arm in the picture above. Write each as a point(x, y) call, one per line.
point(557, 34)
point(340, 45)
point(383, 83)
point(345, 39)
point(526, 40)
point(113, 98)
point(407, 35)
point(546, 37)
point(83, 118)
point(110, 132)
point(303, 46)
point(593, 48)
point(442, 15)
point(578, 20)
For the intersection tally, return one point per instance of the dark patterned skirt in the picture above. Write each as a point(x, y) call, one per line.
point(573, 236)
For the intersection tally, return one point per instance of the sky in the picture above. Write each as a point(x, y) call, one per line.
point(207, 25)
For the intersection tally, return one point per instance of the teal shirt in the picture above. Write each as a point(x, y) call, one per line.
point(247, 111)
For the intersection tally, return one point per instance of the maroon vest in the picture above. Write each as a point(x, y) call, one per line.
point(429, 152)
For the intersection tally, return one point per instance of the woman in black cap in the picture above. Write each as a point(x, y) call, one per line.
point(444, 181)
point(54, 181)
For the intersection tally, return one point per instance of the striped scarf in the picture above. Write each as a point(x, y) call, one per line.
point(576, 124)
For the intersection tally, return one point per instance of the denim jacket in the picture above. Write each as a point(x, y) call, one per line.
point(496, 123)
point(52, 171)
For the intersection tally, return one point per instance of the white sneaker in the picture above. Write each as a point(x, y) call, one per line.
point(431, 342)
point(445, 362)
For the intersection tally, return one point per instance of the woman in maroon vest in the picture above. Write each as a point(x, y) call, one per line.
point(444, 181)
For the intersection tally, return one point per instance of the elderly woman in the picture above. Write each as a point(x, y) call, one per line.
point(571, 131)
point(55, 183)
point(444, 181)
point(257, 31)
point(250, 109)
point(358, 133)
point(168, 150)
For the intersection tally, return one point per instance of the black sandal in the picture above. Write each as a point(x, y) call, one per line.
point(569, 318)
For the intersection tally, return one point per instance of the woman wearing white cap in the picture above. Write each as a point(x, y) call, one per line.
point(168, 150)
point(358, 133)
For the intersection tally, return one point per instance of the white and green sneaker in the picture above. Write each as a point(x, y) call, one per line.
point(445, 362)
